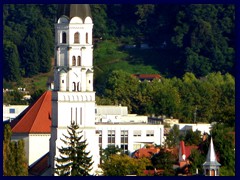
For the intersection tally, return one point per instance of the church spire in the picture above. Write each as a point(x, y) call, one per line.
point(74, 10)
point(211, 165)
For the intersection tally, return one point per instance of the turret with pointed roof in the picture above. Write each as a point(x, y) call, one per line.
point(211, 165)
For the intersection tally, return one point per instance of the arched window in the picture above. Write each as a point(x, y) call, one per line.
point(79, 61)
point(76, 37)
point(86, 38)
point(73, 61)
point(64, 37)
point(207, 172)
point(212, 172)
point(74, 86)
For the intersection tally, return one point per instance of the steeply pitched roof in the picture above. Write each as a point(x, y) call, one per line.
point(211, 156)
point(186, 150)
point(37, 119)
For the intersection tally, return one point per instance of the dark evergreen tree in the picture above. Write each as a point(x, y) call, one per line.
point(11, 62)
point(44, 50)
point(74, 160)
point(29, 57)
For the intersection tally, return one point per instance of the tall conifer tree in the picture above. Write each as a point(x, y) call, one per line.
point(74, 160)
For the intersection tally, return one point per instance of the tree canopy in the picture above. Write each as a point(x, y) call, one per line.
point(74, 160)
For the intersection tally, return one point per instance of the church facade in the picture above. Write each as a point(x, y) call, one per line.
point(73, 98)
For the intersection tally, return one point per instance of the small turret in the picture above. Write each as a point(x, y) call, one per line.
point(211, 165)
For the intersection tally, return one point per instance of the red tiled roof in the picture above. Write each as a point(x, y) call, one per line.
point(38, 117)
point(147, 76)
point(146, 152)
point(186, 150)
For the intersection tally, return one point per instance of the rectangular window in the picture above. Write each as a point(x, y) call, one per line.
point(11, 111)
point(62, 81)
point(111, 137)
point(124, 140)
point(99, 132)
point(136, 146)
point(150, 133)
point(137, 133)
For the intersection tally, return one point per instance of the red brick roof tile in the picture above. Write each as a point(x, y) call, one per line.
point(38, 117)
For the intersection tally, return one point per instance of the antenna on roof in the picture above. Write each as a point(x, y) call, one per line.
point(195, 114)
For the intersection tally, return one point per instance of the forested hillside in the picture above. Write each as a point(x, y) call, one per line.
point(171, 40)
point(189, 38)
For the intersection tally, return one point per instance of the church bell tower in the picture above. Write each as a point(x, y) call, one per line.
point(73, 98)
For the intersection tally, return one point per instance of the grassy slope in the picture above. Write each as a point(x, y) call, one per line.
point(109, 55)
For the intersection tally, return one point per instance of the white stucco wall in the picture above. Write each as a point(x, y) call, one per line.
point(132, 140)
point(38, 146)
point(16, 108)
point(204, 128)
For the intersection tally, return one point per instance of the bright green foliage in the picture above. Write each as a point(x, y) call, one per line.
point(190, 99)
point(74, 160)
point(11, 65)
point(121, 88)
point(122, 165)
point(173, 137)
point(110, 150)
point(14, 160)
point(14, 97)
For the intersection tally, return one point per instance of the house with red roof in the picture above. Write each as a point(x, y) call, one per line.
point(34, 127)
point(147, 77)
point(147, 152)
point(184, 153)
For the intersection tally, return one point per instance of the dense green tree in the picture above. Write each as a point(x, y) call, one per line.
point(204, 45)
point(36, 94)
point(11, 62)
point(74, 160)
point(173, 137)
point(122, 165)
point(100, 20)
point(192, 138)
point(196, 158)
point(118, 89)
point(164, 160)
point(43, 36)
point(14, 160)
point(29, 57)
point(224, 145)
point(14, 97)
point(110, 150)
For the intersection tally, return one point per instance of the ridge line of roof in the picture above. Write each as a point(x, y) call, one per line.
point(28, 111)
point(44, 95)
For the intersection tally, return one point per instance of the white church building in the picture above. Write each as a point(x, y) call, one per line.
point(73, 99)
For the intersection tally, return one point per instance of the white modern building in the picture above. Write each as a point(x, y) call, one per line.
point(12, 111)
point(202, 127)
